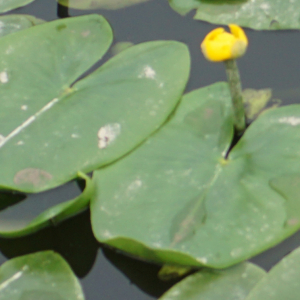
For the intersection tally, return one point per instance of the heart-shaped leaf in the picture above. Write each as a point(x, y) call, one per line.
point(53, 215)
point(230, 284)
point(256, 14)
point(179, 199)
point(42, 275)
point(60, 128)
point(99, 4)
point(13, 23)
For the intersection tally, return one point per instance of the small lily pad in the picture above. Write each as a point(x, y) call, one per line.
point(42, 275)
point(7, 5)
point(231, 284)
point(257, 14)
point(14, 23)
point(282, 281)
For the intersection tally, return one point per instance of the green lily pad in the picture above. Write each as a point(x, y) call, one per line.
point(60, 128)
point(99, 4)
point(7, 5)
point(177, 199)
point(14, 23)
point(231, 284)
point(257, 14)
point(51, 216)
point(282, 281)
point(42, 275)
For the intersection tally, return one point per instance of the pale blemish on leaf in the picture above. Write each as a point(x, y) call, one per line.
point(107, 134)
point(236, 252)
point(35, 177)
point(85, 33)
point(148, 72)
point(3, 77)
point(9, 50)
point(290, 120)
point(135, 185)
point(202, 260)
point(107, 234)
point(292, 222)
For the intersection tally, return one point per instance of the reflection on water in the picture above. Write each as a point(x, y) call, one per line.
point(96, 4)
point(272, 61)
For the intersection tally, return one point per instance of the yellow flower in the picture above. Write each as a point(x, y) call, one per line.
point(220, 45)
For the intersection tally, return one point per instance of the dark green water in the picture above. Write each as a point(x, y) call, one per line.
point(272, 61)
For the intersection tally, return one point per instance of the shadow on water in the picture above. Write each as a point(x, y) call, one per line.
point(73, 239)
point(142, 274)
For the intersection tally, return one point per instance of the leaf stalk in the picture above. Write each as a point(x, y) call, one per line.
point(234, 81)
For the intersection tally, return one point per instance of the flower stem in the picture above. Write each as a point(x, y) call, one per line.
point(233, 77)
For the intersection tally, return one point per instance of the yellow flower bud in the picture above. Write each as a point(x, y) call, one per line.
point(220, 45)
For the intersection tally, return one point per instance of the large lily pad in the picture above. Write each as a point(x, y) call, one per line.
point(42, 275)
point(282, 282)
point(7, 5)
point(59, 128)
point(230, 284)
point(256, 14)
point(51, 216)
point(14, 23)
point(97, 4)
point(177, 199)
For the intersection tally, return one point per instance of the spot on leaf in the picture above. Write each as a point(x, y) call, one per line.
point(107, 134)
point(31, 176)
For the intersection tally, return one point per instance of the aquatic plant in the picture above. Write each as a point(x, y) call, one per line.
point(177, 179)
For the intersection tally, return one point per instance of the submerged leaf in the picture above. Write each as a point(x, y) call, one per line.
point(180, 198)
point(258, 101)
point(256, 14)
point(121, 46)
point(42, 275)
point(97, 4)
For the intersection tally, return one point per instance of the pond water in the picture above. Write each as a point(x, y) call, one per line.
point(272, 61)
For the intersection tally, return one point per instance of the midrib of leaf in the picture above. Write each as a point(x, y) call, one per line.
point(197, 214)
point(11, 279)
point(29, 121)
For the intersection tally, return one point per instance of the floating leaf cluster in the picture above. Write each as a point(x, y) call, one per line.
point(168, 184)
